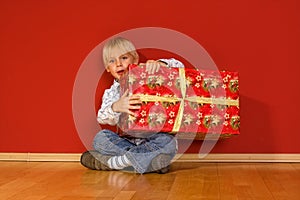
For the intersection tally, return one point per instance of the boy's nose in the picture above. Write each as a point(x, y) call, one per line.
point(118, 62)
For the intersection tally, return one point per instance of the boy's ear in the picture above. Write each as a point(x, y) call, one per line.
point(107, 69)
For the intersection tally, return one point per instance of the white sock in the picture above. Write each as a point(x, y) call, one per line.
point(118, 162)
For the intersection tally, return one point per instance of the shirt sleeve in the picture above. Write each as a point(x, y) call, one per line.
point(105, 114)
point(172, 63)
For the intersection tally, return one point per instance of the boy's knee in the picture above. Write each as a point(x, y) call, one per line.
point(100, 139)
point(165, 139)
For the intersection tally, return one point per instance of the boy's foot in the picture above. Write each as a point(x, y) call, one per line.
point(160, 164)
point(95, 160)
point(163, 170)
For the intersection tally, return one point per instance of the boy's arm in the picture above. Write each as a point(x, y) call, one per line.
point(153, 66)
point(105, 114)
point(172, 63)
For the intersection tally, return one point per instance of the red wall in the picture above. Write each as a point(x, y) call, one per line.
point(43, 44)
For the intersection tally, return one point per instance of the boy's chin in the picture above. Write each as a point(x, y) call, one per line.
point(121, 75)
point(118, 77)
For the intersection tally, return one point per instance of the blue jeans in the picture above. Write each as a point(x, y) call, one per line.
point(141, 155)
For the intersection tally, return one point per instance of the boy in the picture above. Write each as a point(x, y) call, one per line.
point(112, 152)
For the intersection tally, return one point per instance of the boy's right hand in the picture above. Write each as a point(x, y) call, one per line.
point(127, 103)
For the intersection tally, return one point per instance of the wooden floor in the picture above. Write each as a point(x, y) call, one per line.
point(69, 180)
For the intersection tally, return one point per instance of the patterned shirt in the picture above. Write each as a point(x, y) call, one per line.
point(105, 114)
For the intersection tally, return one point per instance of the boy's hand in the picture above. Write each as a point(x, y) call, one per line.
point(127, 103)
point(152, 66)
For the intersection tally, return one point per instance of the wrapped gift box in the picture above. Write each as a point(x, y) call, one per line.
point(189, 102)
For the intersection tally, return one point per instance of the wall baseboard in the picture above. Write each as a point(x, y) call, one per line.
point(43, 157)
point(213, 157)
point(237, 157)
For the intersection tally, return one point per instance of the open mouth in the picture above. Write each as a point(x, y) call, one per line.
point(120, 72)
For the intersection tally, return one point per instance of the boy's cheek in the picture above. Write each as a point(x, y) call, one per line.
point(136, 61)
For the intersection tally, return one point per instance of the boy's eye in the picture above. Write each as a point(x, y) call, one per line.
point(111, 61)
point(124, 57)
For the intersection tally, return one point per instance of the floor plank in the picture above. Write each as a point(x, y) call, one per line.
point(242, 181)
point(186, 180)
point(282, 180)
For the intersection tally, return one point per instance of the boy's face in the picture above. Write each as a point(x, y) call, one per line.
point(118, 65)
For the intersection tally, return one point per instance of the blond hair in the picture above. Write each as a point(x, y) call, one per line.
point(120, 46)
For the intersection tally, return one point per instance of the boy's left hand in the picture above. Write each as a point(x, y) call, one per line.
point(152, 66)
